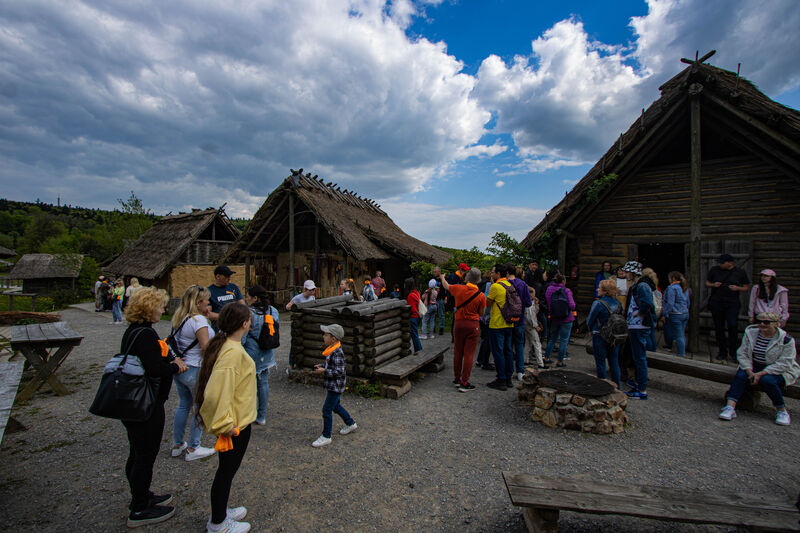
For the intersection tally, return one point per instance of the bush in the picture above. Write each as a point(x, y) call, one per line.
point(65, 297)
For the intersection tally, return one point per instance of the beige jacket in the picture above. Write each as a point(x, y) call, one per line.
point(780, 354)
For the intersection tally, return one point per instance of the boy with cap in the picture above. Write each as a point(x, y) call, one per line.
point(222, 292)
point(309, 290)
point(335, 378)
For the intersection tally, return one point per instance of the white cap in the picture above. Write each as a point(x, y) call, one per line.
point(309, 285)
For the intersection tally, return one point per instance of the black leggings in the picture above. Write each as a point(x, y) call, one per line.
point(229, 463)
point(145, 440)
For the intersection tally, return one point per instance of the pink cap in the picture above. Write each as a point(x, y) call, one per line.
point(769, 272)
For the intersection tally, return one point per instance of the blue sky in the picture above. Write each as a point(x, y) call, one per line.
point(462, 118)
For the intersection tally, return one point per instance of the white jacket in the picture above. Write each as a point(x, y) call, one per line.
point(780, 354)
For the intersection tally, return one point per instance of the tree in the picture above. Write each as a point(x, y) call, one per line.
point(133, 205)
point(507, 249)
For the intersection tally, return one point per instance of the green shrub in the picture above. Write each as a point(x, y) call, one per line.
point(63, 298)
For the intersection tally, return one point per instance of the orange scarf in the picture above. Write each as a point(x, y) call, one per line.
point(225, 443)
point(329, 350)
point(270, 322)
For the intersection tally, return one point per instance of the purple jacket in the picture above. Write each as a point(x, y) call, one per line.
point(553, 287)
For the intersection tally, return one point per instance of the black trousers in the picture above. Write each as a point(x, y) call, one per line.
point(145, 440)
point(229, 463)
point(726, 320)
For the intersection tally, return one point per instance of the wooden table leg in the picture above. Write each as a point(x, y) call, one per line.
point(45, 367)
point(541, 520)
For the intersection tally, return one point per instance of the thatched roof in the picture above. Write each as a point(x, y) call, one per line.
point(7, 252)
point(356, 224)
point(158, 248)
point(41, 266)
point(765, 125)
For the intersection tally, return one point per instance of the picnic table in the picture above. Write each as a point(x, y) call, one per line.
point(10, 374)
point(45, 346)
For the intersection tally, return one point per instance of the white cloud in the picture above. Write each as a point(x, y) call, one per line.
point(570, 182)
point(499, 183)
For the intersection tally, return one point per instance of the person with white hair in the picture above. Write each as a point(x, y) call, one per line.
point(430, 299)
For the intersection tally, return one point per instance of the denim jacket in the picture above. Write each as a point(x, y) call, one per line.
point(676, 301)
point(598, 314)
point(641, 294)
point(263, 358)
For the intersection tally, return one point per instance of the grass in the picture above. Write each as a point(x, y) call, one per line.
point(366, 390)
point(44, 304)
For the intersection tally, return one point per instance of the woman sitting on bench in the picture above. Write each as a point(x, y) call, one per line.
point(766, 358)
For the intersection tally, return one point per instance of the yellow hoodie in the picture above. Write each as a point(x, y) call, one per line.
point(230, 395)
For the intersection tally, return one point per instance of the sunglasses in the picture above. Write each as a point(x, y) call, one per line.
point(764, 322)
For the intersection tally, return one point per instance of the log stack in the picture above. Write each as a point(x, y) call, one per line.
point(376, 333)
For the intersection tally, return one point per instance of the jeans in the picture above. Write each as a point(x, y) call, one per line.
point(500, 340)
point(770, 383)
point(429, 320)
point(726, 316)
point(415, 334)
point(652, 343)
point(440, 315)
point(262, 389)
point(229, 463)
point(144, 440)
point(116, 311)
point(333, 405)
point(558, 332)
point(638, 341)
point(466, 333)
point(675, 331)
point(518, 344)
point(185, 384)
point(602, 353)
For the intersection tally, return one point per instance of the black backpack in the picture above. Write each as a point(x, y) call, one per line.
point(512, 310)
point(559, 304)
point(172, 340)
point(615, 331)
point(267, 340)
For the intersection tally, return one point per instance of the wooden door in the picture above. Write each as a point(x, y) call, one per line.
point(742, 252)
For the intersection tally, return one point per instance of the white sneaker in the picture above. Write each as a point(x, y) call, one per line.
point(348, 429)
point(782, 418)
point(423, 336)
point(236, 513)
point(729, 413)
point(178, 450)
point(431, 336)
point(199, 453)
point(228, 526)
point(519, 376)
point(261, 422)
point(321, 441)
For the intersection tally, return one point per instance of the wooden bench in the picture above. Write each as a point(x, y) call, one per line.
point(35, 341)
point(10, 375)
point(543, 497)
point(395, 375)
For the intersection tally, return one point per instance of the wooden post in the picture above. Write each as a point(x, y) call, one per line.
point(316, 251)
point(695, 225)
point(291, 241)
point(247, 261)
point(562, 251)
point(33, 302)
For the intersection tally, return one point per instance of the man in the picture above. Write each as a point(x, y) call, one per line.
point(726, 281)
point(222, 292)
point(531, 277)
point(441, 296)
point(640, 313)
point(98, 301)
point(309, 290)
point(379, 285)
point(518, 334)
point(500, 331)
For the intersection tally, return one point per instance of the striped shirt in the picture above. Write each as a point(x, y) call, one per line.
point(760, 350)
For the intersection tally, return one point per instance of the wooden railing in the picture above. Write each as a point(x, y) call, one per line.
point(12, 295)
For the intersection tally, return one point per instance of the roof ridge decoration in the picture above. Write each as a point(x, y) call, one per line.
point(299, 180)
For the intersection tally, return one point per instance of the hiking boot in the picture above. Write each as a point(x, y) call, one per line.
point(152, 515)
point(160, 499)
point(497, 385)
point(466, 388)
point(321, 441)
point(637, 395)
point(782, 418)
point(727, 413)
point(348, 429)
point(199, 453)
point(177, 450)
point(228, 526)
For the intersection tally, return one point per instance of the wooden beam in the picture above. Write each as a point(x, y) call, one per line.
point(316, 251)
point(266, 222)
point(247, 261)
point(695, 224)
point(291, 241)
point(562, 253)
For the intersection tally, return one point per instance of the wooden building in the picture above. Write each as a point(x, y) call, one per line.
point(711, 167)
point(47, 273)
point(307, 229)
point(178, 251)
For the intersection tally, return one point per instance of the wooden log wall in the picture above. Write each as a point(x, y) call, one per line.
point(376, 333)
point(743, 199)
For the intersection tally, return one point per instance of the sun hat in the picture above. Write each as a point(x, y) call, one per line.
point(308, 285)
point(769, 272)
point(634, 267)
point(334, 329)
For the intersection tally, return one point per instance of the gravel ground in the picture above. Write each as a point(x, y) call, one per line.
point(431, 461)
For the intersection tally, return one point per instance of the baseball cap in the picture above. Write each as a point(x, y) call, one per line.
point(224, 270)
point(463, 266)
point(334, 329)
point(724, 258)
point(309, 285)
point(432, 284)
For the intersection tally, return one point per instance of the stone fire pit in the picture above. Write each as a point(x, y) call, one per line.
point(574, 400)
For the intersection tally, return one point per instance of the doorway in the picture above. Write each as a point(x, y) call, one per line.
point(663, 257)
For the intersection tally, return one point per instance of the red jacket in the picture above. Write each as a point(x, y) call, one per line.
point(413, 301)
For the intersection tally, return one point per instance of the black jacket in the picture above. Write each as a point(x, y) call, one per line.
point(146, 347)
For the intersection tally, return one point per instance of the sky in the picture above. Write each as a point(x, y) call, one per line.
point(462, 118)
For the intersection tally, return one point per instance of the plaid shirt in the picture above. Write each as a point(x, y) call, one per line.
point(335, 372)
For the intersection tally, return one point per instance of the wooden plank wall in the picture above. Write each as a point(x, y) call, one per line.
point(743, 198)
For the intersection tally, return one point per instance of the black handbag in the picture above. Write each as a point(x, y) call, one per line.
point(125, 392)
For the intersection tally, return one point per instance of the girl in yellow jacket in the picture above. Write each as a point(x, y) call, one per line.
point(226, 406)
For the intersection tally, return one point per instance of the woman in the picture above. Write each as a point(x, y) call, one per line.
point(429, 320)
point(116, 302)
point(262, 315)
point(133, 286)
point(470, 305)
point(652, 343)
point(641, 318)
point(767, 358)
point(605, 273)
point(675, 313)
point(226, 405)
point(598, 316)
point(193, 331)
point(412, 299)
point(144, 437)
point(769, 297)
point(560, 327)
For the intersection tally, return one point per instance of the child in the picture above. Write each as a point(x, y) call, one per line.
point(532, 328)
point(226, 406)
point(395, 294)
point(335, 377)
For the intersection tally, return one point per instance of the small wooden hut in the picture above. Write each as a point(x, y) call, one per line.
point(178, 251)
point(711, 167)
point(307, 229)
point(7, 252)
point(46, 273)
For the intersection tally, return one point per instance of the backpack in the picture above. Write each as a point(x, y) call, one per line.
point(615, 331)
point(172, 340)
point(512, 310)
point(559, 304)
point(269, 337)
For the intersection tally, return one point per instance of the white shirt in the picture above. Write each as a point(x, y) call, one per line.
point(187, 334)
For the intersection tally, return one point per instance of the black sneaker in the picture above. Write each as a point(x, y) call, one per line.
point(497, 384)
point(466, 388)
point(490, 367)
point(160, 499)
point(456, 382)
point(721, 357)
point(151, 515)
point(441, 332)
point(509, 385)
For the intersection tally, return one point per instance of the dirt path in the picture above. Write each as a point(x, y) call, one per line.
point(430, 461)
